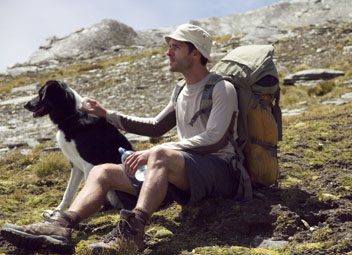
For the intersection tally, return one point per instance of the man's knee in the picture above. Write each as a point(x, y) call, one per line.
point(102, 173)
point(160, 156)
point(164, 158)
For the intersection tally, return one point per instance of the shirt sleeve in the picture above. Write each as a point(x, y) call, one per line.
point(152, 127)
point(223, 114)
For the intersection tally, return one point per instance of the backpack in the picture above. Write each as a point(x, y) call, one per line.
point(252, 71)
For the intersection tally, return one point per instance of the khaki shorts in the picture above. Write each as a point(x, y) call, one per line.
point(208, 176)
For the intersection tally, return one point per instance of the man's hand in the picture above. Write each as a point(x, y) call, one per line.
point(92, 106)
point(136, 160)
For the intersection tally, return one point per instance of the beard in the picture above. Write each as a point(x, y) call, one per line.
point(180, 65)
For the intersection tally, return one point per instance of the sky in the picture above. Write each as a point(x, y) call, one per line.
point(25, 24)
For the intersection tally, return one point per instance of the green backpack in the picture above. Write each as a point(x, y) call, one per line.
point(252, 71)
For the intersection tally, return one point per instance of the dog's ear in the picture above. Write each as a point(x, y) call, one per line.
point(57, 94)
point(49, 85)
point(63, 84)
point(53, 83)
point(41, 91)
point(53, 89)
point(56, 86)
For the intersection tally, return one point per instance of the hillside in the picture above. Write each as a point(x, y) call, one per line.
point(311, 210)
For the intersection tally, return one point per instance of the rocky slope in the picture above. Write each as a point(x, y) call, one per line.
point(137, 80)
point(310, 211)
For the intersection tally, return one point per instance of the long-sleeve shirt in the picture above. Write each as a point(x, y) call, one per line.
point(206, 135)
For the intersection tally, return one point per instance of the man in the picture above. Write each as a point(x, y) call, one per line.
point(195, 167)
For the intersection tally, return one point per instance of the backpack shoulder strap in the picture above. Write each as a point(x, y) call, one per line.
point(206, 102)
point(177, 90)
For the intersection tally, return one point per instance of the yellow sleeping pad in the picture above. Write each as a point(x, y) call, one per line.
point(261, 149)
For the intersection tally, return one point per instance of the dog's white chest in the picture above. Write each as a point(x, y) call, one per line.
point(69, 149)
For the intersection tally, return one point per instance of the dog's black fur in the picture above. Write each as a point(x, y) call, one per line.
point(86, 140)
point(97, 141)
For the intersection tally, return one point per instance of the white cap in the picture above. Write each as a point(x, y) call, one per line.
point(200, 38)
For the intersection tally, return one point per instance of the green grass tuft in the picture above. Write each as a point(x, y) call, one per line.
point(322, 88)
point(52, 164)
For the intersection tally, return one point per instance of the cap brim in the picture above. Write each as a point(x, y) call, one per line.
point(169, 37)
point(177, 38)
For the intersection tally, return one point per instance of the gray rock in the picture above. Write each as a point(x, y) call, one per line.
point(264, 25)
point(95, 39)
point(267, 24)
point(17, 70)
point(348, 83)
point(347, 50)
point(4, 150)
point(293, 112)
point(270, 243)
point(27, 88)
point(344, 99)
point(312, 74)
point(17, 100)
point(136, 138)
point(264, 242)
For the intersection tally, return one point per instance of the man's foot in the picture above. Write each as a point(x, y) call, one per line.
point(54, 234)
point(127, 237)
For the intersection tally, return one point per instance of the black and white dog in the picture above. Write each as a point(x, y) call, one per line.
point(85, 140)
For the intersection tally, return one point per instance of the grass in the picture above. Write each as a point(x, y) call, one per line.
point(35, 182)
point(31, 183)
point(315, 162)
point(51, 164)
point(39, 181)
point(27, 181)
point(322, 88)
point(222, 39)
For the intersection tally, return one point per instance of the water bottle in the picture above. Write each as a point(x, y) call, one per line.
point(141, 171)
point(85, 103)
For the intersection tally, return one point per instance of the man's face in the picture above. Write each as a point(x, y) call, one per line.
point(179, 56)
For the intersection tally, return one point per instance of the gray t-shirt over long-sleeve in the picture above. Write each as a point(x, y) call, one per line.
point(205, 135)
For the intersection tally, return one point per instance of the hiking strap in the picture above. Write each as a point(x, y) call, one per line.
point(277, 113)
point(268, 146)
point(207, 96)
point(199, 113)
point(244, 191)
point(180, 85)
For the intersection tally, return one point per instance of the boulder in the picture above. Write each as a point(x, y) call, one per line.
point(312, 75)
point(92, 40)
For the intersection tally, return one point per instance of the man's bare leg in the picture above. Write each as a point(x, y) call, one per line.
point(101, 179)
point(164, 166)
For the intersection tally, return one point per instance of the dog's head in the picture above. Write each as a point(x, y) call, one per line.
point(53, 96)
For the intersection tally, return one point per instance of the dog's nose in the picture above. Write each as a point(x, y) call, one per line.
point(29, 105)
point(26, 105)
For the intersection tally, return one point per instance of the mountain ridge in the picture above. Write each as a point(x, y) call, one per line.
point(260, 26)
